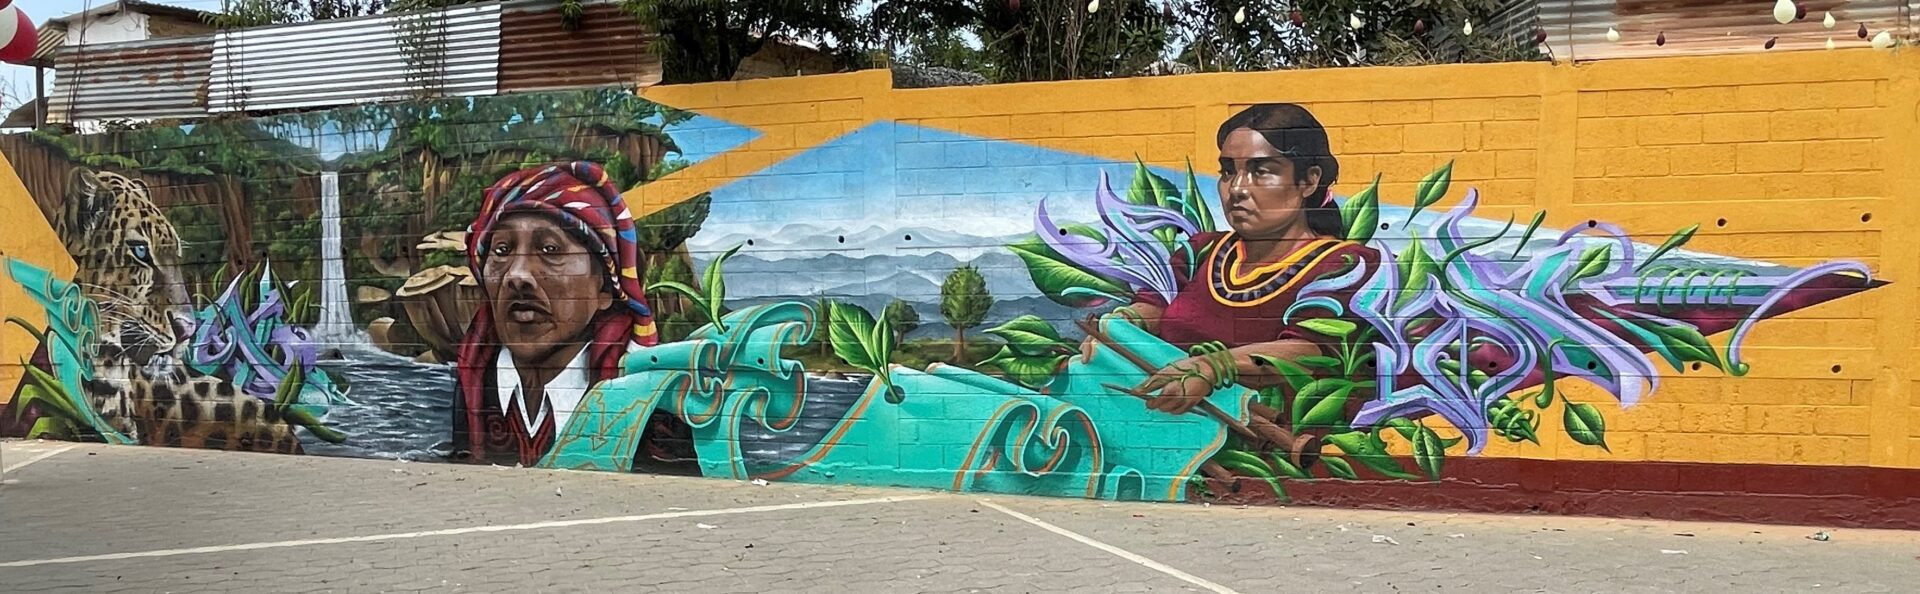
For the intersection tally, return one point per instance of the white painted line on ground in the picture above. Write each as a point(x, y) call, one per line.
point(43, 455)
point(458, 531)
point(1115, 551)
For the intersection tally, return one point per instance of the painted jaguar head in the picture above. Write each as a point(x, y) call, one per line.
point(128, 256)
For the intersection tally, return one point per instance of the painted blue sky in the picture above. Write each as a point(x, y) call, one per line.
point(966, 195)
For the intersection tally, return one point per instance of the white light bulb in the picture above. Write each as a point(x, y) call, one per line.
point(1883, 41)
point(1093, 7)
point(1353, 20)
point(1828, 22)
point(1468, 29)
point(1240, 16)
point(1612, 35)
point(1829, 43)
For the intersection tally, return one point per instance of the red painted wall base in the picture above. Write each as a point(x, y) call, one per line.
point(1827, 496)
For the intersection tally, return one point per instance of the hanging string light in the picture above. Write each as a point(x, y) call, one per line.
point(1783, 11)
point(1661, 40)
point(1883, 41)
point(1468, 28)
point(1613, 35)
point(1353, 20)
point(1093, 7)
point(1240, 16)
point(1828, 22)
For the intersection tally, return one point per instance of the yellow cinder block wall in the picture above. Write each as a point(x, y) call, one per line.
point(1793, 158)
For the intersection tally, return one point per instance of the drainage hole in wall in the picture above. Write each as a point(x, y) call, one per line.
point(1864, 217)
point(909, 238)
point(1592, 365)
point(1696, 365)
point(843, 239)
point(1592, 223)
point(749, 242)
point(1836, 369)
point(1721, 222)
point(1383, 226)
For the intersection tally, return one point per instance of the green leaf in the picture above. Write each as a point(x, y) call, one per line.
point(52, 427)
point(716, 285)
point(1339, 467)
point(1361, 213)
point(1194, 204)
point(1308, 397)
point(1585, 425)
point(1030, 335)
point(1415, 269)
point(1333, 327)
point(1321, 361)
point(1030, 371)
point(1287, 469)
point(1330, 411)
point(1296, 376)
point(1369, 452)
point(1244, 457)
point(1149, 189)
point(1057, 278)
point(1679, 238)
point(1593, 262)
point(1404, 427)
point(1432, 188)
point(1271, 397)
point(1538, 217)
point(1259, 472)
point(1429, 452)
point(848, 328)
point(1686, 343)
point(879, 343)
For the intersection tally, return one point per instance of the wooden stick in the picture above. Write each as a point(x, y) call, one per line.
point(1263, 431)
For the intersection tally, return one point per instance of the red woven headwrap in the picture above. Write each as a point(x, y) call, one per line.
point(581, 196)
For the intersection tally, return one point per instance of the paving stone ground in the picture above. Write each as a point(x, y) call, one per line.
point(91, 518)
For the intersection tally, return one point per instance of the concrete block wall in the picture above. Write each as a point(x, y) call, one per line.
point(840, 188)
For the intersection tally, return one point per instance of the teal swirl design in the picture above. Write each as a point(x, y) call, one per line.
point(956, 429)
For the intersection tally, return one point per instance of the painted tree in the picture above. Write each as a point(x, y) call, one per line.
point(903, 318)
point(964, 302)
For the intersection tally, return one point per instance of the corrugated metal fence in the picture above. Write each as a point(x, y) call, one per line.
point(162, 78)
point(439, 53)
point(470, 50)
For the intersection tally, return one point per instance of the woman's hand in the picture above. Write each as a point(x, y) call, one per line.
point(1181, 386)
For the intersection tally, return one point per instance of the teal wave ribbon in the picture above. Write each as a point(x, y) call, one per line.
point(957, 429)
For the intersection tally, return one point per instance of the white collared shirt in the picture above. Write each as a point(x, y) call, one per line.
point(562, 394)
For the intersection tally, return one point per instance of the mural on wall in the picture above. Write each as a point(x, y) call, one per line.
point(463, 280)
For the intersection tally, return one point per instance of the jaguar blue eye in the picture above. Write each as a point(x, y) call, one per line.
point(141, 252)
